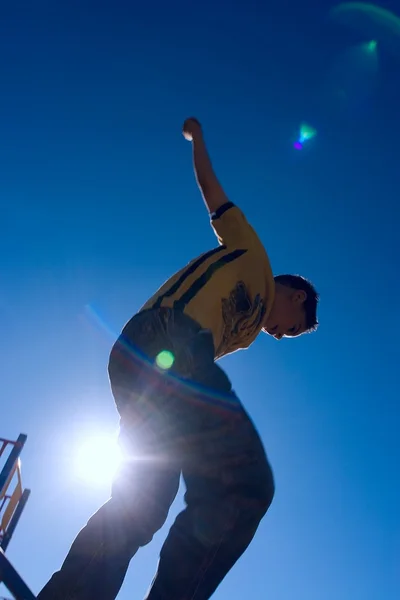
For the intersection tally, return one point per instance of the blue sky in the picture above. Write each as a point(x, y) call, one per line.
point(99, 206)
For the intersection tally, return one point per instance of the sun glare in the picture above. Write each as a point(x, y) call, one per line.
point(97, 459)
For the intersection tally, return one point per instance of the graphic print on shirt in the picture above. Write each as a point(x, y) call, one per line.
point(242, 318)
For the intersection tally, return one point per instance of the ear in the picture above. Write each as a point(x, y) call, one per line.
point(299, 297)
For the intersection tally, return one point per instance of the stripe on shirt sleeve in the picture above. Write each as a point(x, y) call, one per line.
point(221, 210)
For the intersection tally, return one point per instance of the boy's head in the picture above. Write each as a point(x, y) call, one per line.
point(294, 310)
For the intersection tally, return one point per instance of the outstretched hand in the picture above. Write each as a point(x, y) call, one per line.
point(191, 129)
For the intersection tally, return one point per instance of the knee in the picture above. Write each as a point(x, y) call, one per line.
point(241, 510)
point(127, 525)
point(238, 516)
point(255, 498)
point(151, 520)
point(264, 489)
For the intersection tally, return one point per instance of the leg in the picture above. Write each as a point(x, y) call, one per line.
point(99, 557)
point(229, 489)
point(142, 492)
point(144, 489)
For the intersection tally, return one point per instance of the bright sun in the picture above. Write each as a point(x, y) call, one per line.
point(97, 459)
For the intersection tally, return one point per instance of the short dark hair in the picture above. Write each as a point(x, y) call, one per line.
point(298, 282)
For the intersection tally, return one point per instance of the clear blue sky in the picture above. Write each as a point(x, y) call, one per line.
point(99, 206)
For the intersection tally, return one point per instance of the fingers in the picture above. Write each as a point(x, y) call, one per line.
point(191, 128)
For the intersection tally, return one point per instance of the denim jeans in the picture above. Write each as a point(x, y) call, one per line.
point(185, 420)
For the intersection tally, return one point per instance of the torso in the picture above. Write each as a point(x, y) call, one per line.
point(228, 290)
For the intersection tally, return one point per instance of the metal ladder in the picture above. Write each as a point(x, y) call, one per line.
point(12, 503)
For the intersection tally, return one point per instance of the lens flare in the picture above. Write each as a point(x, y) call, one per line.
point(97, 459)
point(165, 360)
point(306, 133)
point(372, 22)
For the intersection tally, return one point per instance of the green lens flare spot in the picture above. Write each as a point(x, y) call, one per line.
point(165, 360)
point(307, 132)
point(372, 45)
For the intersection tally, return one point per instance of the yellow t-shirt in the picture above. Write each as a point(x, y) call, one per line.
point(230, 289)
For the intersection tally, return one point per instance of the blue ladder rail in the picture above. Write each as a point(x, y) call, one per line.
point(17, 501)
point(12, 580)
point(14, 520)
point(12, 458)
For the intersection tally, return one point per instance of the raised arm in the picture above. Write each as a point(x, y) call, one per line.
point(211, 190)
